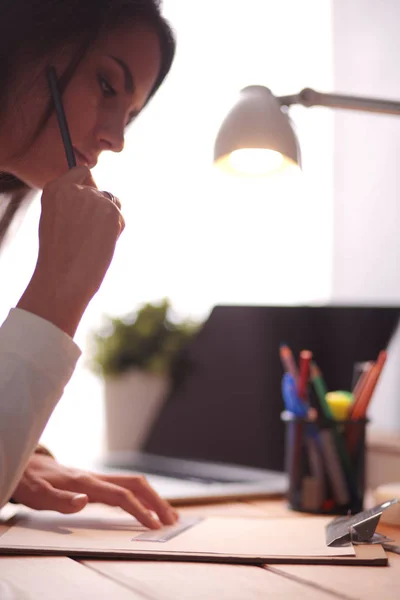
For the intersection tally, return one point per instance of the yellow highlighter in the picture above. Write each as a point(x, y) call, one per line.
point(339, 403)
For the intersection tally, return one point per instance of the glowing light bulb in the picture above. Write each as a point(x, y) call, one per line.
point(255, 161)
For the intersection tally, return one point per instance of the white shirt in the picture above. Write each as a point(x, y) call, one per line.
point(36, 362)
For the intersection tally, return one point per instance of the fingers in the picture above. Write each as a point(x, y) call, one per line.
point(41, 495)
point(82, 177)
point(143, 490)
point(79, 175)
point(131, 493)
point(116, 202)
point(114, 495)
point(112, 199)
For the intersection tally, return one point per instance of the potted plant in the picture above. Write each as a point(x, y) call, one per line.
point(136, 355)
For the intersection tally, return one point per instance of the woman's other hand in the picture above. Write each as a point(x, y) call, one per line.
point(79, 228)
point(47, 485)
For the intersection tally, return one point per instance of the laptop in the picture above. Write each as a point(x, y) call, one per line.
point(219, 434)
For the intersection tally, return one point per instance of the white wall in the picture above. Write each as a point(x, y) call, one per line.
point(366, 50)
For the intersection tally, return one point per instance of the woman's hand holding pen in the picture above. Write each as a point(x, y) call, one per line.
point(47, 485)
point(78, 231)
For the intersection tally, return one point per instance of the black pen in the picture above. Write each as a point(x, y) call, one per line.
point(62, 121)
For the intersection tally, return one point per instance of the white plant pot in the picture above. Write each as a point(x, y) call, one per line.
point(132, 402)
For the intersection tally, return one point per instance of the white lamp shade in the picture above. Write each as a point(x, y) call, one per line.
point(256, 137)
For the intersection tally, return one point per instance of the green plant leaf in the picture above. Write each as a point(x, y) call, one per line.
point(145, 339)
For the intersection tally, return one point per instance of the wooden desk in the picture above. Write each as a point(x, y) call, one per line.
point(67, 579)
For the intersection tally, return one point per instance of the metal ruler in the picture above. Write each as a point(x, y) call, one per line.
point(168, 532)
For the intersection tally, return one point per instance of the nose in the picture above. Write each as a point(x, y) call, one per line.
point(111, 134)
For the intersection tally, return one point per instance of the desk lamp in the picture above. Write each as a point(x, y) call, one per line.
point(257, 138)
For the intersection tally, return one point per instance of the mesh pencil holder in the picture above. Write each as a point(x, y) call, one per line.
point(325, 463)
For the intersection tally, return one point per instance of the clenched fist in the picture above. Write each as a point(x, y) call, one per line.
point(78, 231)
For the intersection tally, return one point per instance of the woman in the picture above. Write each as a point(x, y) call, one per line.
point(110, 57)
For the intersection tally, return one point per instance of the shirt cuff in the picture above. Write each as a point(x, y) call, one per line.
point(39, 342)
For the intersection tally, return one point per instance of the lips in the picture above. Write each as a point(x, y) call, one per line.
point(84, 159)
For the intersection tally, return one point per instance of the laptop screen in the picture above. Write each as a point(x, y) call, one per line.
point(225, 402)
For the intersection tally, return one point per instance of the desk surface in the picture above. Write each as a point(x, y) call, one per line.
point(64, 579)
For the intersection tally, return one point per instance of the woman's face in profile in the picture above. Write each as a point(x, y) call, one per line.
point(109, 88)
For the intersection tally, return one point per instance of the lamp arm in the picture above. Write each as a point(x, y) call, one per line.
point(309, 97)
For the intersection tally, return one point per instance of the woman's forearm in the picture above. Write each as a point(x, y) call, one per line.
point(36, 362)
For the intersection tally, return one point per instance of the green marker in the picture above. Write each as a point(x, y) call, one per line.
point(320, 389)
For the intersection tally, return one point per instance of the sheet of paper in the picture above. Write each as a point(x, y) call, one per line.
point(110, 530)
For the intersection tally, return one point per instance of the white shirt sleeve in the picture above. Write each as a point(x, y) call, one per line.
point(36, 362)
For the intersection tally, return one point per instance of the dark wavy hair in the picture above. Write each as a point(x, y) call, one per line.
point(33, 29)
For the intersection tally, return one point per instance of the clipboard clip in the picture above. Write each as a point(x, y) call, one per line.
point(357, 529)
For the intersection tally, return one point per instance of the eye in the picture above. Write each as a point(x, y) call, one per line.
point(106, 88)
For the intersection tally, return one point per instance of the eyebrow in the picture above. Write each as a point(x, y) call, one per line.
point(129, 82)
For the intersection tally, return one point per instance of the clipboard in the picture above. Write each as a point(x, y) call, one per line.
point(107, 533)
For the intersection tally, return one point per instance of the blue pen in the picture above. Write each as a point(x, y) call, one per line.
point(342, 480)
point(293, 403)
point(299, 409)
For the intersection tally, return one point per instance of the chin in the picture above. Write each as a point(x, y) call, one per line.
point(37, 168)
point(38, 181)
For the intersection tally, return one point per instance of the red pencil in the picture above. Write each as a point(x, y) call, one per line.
point(305, 360)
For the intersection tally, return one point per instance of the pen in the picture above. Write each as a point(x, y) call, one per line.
point(305, 360)
point(358, 371)
point(62, 120)
point(315, 406)
point(295, 408)
point(334, 466)
point(361, 405)
point(332, 441)
point(293, 403)
point(320, 389)
point(288, 361)
point(360, 384)
point(313, 444)
point(314, 491)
